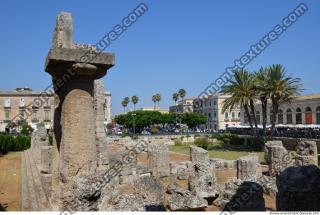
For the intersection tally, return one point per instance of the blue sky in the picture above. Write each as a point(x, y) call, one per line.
point(176, 44)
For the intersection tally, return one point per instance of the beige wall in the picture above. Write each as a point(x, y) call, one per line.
point(31, 104)
point(302, 102)
point(216, 118)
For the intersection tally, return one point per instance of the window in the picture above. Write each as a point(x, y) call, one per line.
point(34, 115)
point(21, 103)
point(298, 116)
point(6, 115)
point(226, 115)
point(7, 103)
point(209, 115)
point(47, 115)
point(239, 115)
point(308, 115)
point(233, 115)
point(215, 102)
point(318, 115)
point(280, 116)
point(289, 116)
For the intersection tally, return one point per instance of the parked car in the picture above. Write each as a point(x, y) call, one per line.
point(144, 132)
point(118, 132)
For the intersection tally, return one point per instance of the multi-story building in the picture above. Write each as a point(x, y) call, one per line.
point(212, 107)
point(25, 105)
point(184, 106)
point(302, 110)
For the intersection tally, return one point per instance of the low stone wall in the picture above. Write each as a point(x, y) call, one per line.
point(291, 143)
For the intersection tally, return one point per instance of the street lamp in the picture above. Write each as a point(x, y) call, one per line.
point(134, 124)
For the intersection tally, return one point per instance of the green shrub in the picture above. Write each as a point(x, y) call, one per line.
point(177, 142)
point(50, 140)
point(9, 143)
point(256, 143)
point(154, 130)
point(26, 130)
point(202, 142)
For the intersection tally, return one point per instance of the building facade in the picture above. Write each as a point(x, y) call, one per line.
point(302, 110)
point(184, 106)
point(217, 119)
point(25, 105)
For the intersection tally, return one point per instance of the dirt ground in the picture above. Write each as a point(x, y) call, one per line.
point(10, 178)
point(10, 182)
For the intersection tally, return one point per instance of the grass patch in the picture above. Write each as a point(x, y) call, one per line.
point(223, 151)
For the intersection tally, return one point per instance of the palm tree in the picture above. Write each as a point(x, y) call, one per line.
point(182, 93)
point(242, 94)
point(175, 97)
point(125, 103)
point(281, 88)
point(158, 98)
point(154, 99)
point(262, 93)
point(134, 100)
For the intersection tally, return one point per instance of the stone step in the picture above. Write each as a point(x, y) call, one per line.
point(25, 206)
point(33, 204)
point(34, 197)
point(40, 191)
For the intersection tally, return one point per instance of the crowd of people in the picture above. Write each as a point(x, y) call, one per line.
point(294, 132)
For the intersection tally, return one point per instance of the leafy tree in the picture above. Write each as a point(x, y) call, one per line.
point(148, 119)
point(134, 100)
point(192, 120)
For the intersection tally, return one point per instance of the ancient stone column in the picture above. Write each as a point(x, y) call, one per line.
point(158, 158)
point(73, 69)
point(100, 132)
point(202, 180)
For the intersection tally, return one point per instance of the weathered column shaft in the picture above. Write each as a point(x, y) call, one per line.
point(77, 149)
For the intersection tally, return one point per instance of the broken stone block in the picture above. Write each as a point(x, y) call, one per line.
point(182, 200)
point(151, 189)
point(158, 158)
point(307, 153)
point(277, 157)
point(46, 159)
point(242, 196)
point(221, 164)
point(299, 189)
point(248, 167)
point(202, 181)
point(180, 169)
point(199, 155)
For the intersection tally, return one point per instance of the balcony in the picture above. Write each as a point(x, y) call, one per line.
point(235, 120)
